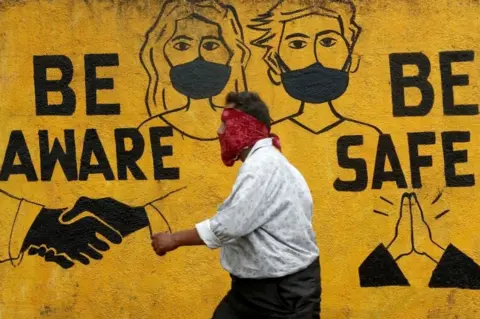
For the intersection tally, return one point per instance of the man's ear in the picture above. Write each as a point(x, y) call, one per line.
point(354, 63)
point(274, 70)
point(246, 53)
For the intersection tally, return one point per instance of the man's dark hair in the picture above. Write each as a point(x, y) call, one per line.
point(250, 103)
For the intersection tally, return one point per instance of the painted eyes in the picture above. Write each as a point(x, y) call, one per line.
point(328, 42)
point(300, 44)
point(210, 45)
point(297, 44)
point(182, 46)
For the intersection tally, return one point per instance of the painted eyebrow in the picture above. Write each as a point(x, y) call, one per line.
point(210, 37)
point(295, 35)
point(182, 37)
point(328, 32)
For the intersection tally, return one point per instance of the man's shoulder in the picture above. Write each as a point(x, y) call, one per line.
point(265, 158)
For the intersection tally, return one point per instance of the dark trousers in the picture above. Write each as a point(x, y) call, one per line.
point(293, 296)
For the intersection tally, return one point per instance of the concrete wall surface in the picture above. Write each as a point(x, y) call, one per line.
point(109, 112)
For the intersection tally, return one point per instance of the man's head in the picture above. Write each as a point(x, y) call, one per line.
point(245, 121)
point(251, 104)
point(319, 36)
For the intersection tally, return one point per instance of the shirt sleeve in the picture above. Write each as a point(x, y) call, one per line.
point(162, 212)
point(379, 269)
point(17, 218)
point(240, 213)
point(157, 221)
point(455, 270)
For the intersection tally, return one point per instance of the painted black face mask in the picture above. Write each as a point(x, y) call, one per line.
point(315, 83)
point(200, 79)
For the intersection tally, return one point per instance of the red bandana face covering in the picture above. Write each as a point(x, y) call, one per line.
point(241, 131)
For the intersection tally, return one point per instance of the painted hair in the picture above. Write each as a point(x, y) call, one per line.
point(152, 55)
point(271, 22)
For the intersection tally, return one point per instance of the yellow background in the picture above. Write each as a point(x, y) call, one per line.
point(131, 281)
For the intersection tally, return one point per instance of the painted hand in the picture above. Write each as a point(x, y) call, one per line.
point(402, 242)
point(163, 243)
point(423, 243)
point(62, 243)
point(123, 218)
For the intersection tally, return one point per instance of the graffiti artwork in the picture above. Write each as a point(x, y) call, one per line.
point(310, 52)
point(110, 114)
point(59, 236)
point(189, 70)
point(413, 235)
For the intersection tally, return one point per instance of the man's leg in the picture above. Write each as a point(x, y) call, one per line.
point(301, 292)
point(294, 296)
point(224, 310)
point(250, 299)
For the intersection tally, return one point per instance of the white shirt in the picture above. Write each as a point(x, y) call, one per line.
point(264, 227)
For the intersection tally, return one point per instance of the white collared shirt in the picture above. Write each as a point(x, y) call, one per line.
point(264, 227)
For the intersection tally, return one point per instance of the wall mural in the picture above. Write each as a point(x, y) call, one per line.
point(57, 236)
point(201, 66)
point(413, 235)
point(312, 64)
point(189, 58)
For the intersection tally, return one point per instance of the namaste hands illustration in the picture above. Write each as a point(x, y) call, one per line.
point(412, 232)
point(454, 268)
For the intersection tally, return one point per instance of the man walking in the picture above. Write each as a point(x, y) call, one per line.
point(264, 227)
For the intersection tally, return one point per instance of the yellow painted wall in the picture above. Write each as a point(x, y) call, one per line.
point(131, 281)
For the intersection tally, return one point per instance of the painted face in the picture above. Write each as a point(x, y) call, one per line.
point(311, 39)
point(194, 38)
point(199, 59)
point(314, 59)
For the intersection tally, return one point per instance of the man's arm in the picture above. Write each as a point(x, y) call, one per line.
point(187, 238)
point(238, 216)
point(165, 242)
point(241, 212)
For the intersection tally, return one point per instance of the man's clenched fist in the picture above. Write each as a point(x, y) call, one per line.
point(163, 243)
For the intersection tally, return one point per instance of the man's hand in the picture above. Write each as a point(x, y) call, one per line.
point(163, 243)
point(402, 244)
